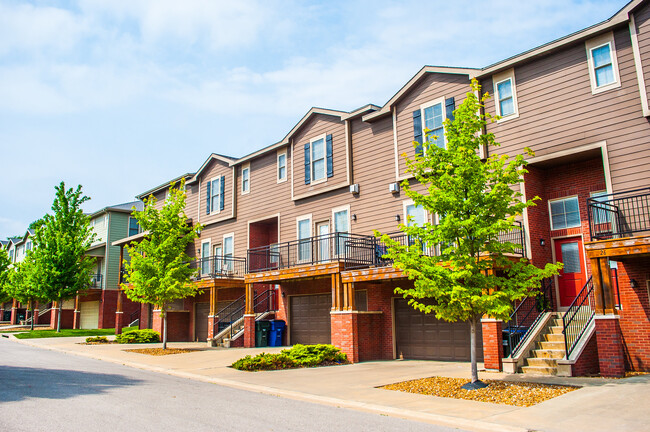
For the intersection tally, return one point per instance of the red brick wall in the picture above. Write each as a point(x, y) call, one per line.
point(345, 334)
point(587, 363)
point(611, 359)
point(492, 344)
point(107, 308)
point(370, 339)
point(380, 298)
point(635, 313)
point(178, 324)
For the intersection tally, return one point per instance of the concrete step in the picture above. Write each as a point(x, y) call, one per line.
point(554, 354)
point(552, 337)
point(556, 329)
point(542, 362)
point(539, 370)
point(547, 345)
point(557, 322)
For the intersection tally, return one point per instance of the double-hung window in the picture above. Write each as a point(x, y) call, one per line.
point(506, 101)
point(215, 191)
point(505, 95)
point(282, 167)
point(318, 159)
point(228, 251)
point(603, 67)
point(433, 114)
point(134, 227)
point(304, 235)
point(245, 179)
point(565, 213)
point(341, 225)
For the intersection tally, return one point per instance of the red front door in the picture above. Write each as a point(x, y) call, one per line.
point(574, 275)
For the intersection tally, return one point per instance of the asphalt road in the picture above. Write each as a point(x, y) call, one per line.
point(42, 390)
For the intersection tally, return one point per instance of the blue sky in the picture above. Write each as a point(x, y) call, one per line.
point(121, 96)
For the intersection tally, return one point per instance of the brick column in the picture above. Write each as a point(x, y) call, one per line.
point(249, 331)
point(157, 324)
point(14, 312)
point(492, 344)
point(35, 313)
point(119, 313)
point(611, 360)
point(345, 334)
point(75, 319)
point(54, 315)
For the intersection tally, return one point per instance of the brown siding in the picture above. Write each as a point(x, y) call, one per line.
point(642, 19)
point(431, 87)
point(197, 208)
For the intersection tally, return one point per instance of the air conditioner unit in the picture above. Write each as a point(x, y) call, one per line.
point(393, 187)
point(354, 188)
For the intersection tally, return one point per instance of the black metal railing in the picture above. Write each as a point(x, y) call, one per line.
point(369, 251)
point(620, 214)
point(96, 281)
point(312, 250)
point(135, 315)
point(525, 317)
point(265, 301)
point(220, 267)
point(578, 316)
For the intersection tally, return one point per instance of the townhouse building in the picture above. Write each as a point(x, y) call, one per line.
point(288, 230)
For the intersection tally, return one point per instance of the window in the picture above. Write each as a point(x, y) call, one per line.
point(218, 258)
point(134, 227)
point(11, 255)
point(245, 179)
point(304, 234)
point(341, 225)
point(205, 258)
point(603, 68)
point(506, 103)
point(565, 213)
point(506, 95)
point(433, 116)
point(282, 167)
point(318, 159)
point(215, 192)
point(601, 213)
point(28, 246)
point(228, 251)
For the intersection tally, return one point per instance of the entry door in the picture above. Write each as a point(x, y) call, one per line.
point(201, 312)
point(322, 229)
point(574, 275)
point(218, 259)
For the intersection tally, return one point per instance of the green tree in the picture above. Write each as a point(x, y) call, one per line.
point(5, 272)
point(22, 284)
point(159, 269)
point(474, 205)
point(61, 267)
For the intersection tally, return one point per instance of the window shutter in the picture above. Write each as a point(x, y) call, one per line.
point(222, 185)
point(307, 165)
point(450, 106)
point(207, 198)
point(330, 156)
point(417, 131)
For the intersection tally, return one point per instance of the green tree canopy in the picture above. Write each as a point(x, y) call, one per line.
point(5, 271)
point(473, 205)
point(61, 267)
point(23, 283)
point(159, 269)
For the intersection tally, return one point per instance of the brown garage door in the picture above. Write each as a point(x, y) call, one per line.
point(201, 321)
point(310, 319)
point(423, 337)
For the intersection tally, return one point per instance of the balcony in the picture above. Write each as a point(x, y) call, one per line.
point(220, 267)
point(96, 281)
point(619, 215)
point(369, 251)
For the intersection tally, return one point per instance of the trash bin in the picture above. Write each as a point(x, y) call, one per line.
point(276, 332)
point(262, 333)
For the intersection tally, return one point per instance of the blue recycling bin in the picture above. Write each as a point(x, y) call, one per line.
point(275, 332)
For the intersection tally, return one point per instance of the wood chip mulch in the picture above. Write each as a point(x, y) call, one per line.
point(98, 343)
point(161, 352)
point(501, 392)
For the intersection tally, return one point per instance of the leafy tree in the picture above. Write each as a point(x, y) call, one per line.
point(22, 284)
point(5, 272)
point(36, 224)
point(60, 267)
point(475, 206)
point(159, 269)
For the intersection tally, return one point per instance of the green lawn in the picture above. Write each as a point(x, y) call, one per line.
point(64, 333)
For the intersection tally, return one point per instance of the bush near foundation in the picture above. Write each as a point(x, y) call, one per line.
point(138, 336)
point(97, 339)
point(295, 357)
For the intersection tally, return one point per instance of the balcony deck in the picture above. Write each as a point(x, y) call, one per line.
point(296, 272)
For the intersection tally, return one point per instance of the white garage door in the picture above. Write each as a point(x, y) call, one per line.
point(89, 312)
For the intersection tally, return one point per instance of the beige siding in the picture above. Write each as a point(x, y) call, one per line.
point(196, 208)
point(558, 112)
point(642, 18)
point(431, 87)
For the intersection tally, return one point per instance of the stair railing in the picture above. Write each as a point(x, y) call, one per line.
point(526, 316)
point(263, 302)
point(578, 316)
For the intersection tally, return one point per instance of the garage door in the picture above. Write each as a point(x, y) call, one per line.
point(423, 337)
point(310, 319)
point(201, 312)
point(89, 314)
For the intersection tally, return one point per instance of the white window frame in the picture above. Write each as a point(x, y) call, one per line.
point(213, 195)
point(429, 104)
point(550, 213)
point(597, 194)
point(226, 266)
point(311, 159)
point(333, 226)
point(129, 226)
point(209, 243)
point(498, 79)
point(311, 234)
point(592, 44)
point(245, 168)
point(409, 202)
point(284, 153)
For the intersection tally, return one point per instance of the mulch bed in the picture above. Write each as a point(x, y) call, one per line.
point(501, 392)
point(161, 352)
point(98, 343)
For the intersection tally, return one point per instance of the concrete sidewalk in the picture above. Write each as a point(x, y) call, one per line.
point(601, 405)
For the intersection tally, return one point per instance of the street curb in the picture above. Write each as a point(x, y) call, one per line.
point(438, 419)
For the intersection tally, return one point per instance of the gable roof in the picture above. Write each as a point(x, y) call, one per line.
point(227, 159)
point(165, 185)
point(120, 208)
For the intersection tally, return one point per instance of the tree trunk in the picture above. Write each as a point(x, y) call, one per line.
point(472, 323)
point(58, 321)
point(31, 311)
point(164, 314)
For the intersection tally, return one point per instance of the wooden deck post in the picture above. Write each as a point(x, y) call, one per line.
point(76, 323)
point(119, 314)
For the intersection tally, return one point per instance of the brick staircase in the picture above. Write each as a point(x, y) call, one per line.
point(549, 349)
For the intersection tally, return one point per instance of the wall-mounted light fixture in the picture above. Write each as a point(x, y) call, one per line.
point(284, 294)
point(397, 218)
point(354, 217)
point(633, 283)
point(354, 188)
point(393, 187)
point(542, 242)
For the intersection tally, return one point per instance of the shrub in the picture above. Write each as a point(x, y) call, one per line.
point(98, 339)
point(298, 356)
point(138, 336)
point(264, 361)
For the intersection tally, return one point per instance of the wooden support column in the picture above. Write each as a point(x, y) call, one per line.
point(119, 314)
point(119, 275)
point(250, 309)
point(337, 292)
point(212, 319)
point(36, 312)
point(603, 289)
point(352, 300)
point(76, 323)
